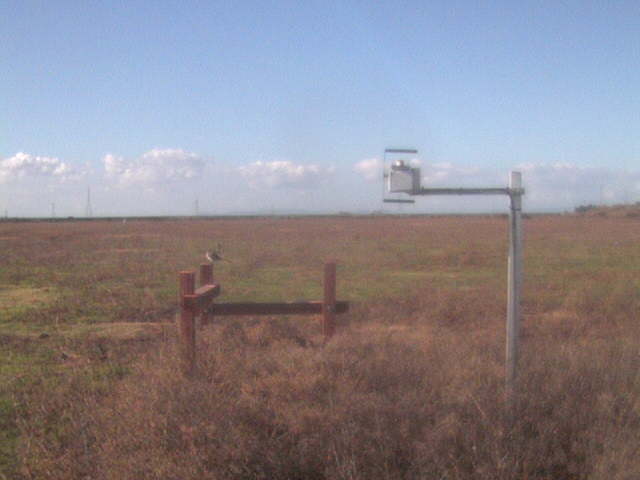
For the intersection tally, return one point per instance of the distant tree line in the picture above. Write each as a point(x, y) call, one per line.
point(585, 208)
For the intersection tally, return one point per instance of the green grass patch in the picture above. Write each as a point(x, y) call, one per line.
point(15, 300)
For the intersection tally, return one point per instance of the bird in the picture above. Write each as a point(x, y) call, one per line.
point(214, 255)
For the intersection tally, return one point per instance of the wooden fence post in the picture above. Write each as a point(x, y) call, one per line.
point(329, 300)
point(206, 278)
point(187, 323)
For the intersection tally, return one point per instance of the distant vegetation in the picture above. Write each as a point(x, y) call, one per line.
point(411, 387)
point(622, 210)
point(585, 208)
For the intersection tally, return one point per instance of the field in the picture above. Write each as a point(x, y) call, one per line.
point(411, 386)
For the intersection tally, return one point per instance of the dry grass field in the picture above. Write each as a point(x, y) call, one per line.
point(411, 386)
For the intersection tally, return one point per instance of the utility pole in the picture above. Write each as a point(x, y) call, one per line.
point(53, 209)
point(88, 211)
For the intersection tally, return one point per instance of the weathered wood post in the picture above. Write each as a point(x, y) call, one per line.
point(329, 300)
point(187, 323)
point(515, 284)
point(206, 278)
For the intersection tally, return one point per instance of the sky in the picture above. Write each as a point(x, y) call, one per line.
point(285, 106)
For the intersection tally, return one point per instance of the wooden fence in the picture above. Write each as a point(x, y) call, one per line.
point(199, 302)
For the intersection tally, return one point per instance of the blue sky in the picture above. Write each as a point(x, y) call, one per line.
point(288, 105)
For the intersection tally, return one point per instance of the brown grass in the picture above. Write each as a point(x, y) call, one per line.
point(411, 387)
point(402, 400)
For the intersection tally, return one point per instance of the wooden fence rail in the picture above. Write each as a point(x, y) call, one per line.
point(200, 302)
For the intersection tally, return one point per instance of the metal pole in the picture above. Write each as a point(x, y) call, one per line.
point(515, 192)
point(515, 283)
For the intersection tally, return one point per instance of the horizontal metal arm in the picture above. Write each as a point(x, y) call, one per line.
point(400, 150)
point(398, 200)
point(468, 191)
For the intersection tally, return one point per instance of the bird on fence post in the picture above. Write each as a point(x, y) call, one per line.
point(214, 255)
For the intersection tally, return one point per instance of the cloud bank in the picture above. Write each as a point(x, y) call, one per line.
point(30, 183)
point(569, 184)
point(284, 174)
point(549, 186)
point(369, 168)
point(25, 166)
point(154, 168)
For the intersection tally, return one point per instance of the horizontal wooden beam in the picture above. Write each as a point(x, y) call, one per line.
point(201, 298)
point(293, 308)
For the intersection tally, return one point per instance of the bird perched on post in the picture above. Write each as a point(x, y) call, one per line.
point(214, 255)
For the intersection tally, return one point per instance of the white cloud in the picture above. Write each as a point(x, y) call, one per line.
point(370, 169)
point(446, 174)
point(284, 174)
point(571, 185)
point(25, 166)
point(154, 168)
point(549, 186)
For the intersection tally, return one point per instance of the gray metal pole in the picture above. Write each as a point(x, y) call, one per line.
point(515, 192)
point(515, 282)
